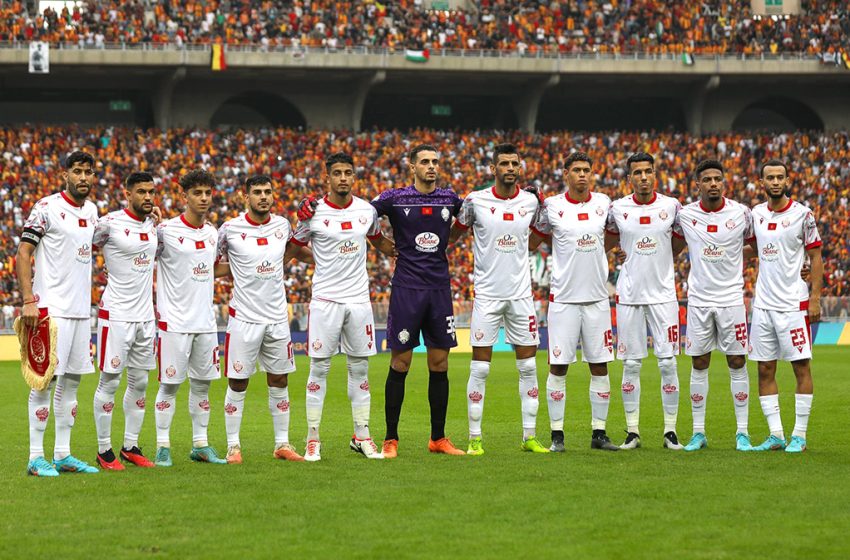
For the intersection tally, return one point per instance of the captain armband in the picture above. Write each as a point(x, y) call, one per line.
point(31, 235)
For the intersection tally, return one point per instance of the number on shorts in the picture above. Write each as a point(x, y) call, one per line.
point(450, 324)
point(609, 339)
point(798, 337)
point(741, 332)
point(673, 334)
point(370, 333)
point(532, 324)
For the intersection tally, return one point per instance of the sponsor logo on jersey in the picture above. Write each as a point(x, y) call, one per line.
point(62, 214)
point(126, 231)
point(770, 252)
point(347, 249)
point(201, 272)
point(142, 261)
point(712, 253)
point(266, 268)
point(587, 243)
point(243, 235)
point(404, 336)
point(560, 213)
point(406, 211)
point(507, 243)
point(646, 245)
point(84, 254)
point(476, 397)
point(427, 242)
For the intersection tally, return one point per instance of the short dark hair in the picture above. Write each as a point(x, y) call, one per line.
point(197, 178)
point(136, 178)
point(576, 156)
point(414, 153)
point(338, 157)
point(78, 157)
point(639, 157)
point(255, 180)
point(504, 149)
point(707, 164)
point(773, 163)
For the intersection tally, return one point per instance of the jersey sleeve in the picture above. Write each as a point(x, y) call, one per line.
point(160, 240)
point(456, 206)
point(382, 203)
point(302, 234)
point(375, 229)
point(677, 222)
point(541, 224)
point(36, 225)
point(611, 222)
point(101, 232)
point(749, 230)
point(221, 250)
point(811, 236)
point(466, 216)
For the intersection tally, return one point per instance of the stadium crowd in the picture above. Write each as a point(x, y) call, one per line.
point(570, 26)
point(30, 166)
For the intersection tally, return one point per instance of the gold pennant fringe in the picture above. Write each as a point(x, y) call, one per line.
point(37, 382)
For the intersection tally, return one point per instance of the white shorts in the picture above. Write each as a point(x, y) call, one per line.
point(717, 328)
point(589, 323)
point(246, 343)
point(519, 319)
point(122, 344)
point(663, 321)
point(73, 346)
point(187, 354)
point(780, 335)
point(349, 325)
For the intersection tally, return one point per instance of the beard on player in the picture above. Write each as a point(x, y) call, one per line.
point(140, 198)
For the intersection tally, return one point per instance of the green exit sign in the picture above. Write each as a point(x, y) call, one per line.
point(777, 3)
point(120, 105)
point(441, 110)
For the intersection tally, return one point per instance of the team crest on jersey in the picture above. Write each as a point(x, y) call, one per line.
point(115, 362)
point(663, 215)
point(730, 224)
point(600, 211)
point(243, 235)
point(278, 234)
point(237, 366)
point(404, 336)
point(444, 213)
point(556, 351)
point(317, 345)
point(786, 222)
point(479, 334)
point(126, 231)
point(362, 220)
point(522, 212)
point(170, 371)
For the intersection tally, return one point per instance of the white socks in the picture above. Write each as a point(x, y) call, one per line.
point(600, 396)
point(358, 395)
point(631, 394)
point(770, 407)
point(803, 409)
point(134, 405)
point(475, 391)
point(699, 396)
point(740, 386)
point(556, 392)
point(316, 390)
point(528, 391)
point(279, 408)
point(65, 410)
point(166, 398)
point(234, 402)
point(38, 411)
point(199, 410)
point(104, 403)
point(669, 392)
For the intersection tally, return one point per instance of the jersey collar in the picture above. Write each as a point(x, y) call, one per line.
point(253, 223)
point(70, 200)
point(784, 208)
point(129, 213)
point(722, 205)
point(516, 193)
point(335, 207)
point(574, 201)
point(651, 200)
point(186, 222)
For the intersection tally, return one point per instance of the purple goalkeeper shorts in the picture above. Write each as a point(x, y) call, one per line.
point(413, 310)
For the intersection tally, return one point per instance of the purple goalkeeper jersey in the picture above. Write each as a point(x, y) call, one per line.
point(421, 225)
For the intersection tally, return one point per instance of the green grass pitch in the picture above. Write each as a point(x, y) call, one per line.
point(649, 503)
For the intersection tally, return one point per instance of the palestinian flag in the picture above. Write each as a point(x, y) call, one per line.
point(417, 56)
point(687, 59)
point(217, 63)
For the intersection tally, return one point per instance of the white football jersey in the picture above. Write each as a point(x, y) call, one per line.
point(501, 229)
point(62, 275)
point(129, 247)
point(716, 248)
point(185, 275)
point(255, 253)
point(783, 237)
point(579, 264)
point(338, 236)
point(646, 233)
